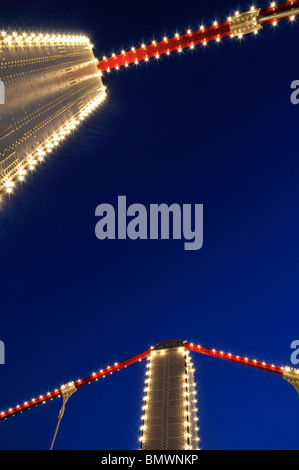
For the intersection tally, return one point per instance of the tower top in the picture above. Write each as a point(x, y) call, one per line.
point(171, 343)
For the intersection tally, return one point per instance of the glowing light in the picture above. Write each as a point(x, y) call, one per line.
point(52, 141)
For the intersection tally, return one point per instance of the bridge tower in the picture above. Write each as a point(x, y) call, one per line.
point(49, 85)
point(169, 420)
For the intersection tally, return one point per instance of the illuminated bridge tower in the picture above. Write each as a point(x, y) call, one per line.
point(49, 84)
point(169, 420)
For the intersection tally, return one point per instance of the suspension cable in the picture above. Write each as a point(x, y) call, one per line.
point(67, 391)
point(244, 23)
point(42, 399)
point(237, 359)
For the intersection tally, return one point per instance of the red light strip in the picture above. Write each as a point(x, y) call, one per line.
point(279, 8)
point(166, 46)
point(237, 359)
point(78, 383)
point(118, 366)
point(110, 369)
point(179, 42)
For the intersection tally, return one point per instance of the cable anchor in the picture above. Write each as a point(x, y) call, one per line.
point(292, 376)
point(245, 23)
point(66, 391)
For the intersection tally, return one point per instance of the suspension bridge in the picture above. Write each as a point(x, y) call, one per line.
point(52, 82)
point(169, 412)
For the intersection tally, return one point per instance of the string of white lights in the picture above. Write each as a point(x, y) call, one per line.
point(39, 154)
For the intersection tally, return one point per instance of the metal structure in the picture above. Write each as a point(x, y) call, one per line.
point(169, 413)
point(169, 420)
point(235, 27)
point(67, 391)
point(51, 83)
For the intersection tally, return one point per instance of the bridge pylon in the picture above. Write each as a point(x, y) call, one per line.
point(169, 420)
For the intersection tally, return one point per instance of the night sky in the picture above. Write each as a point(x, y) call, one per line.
point(213, 126)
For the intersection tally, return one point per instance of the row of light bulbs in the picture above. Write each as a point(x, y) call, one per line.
point(246, 359)
point(14, 38)
point(52, 142)
point(190, 397)
point(56, 393)
point(34, 401)
point(146, 396)
point(192, 45)
point(186, 395)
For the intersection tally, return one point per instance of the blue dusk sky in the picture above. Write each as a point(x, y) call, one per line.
point(212, 126)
